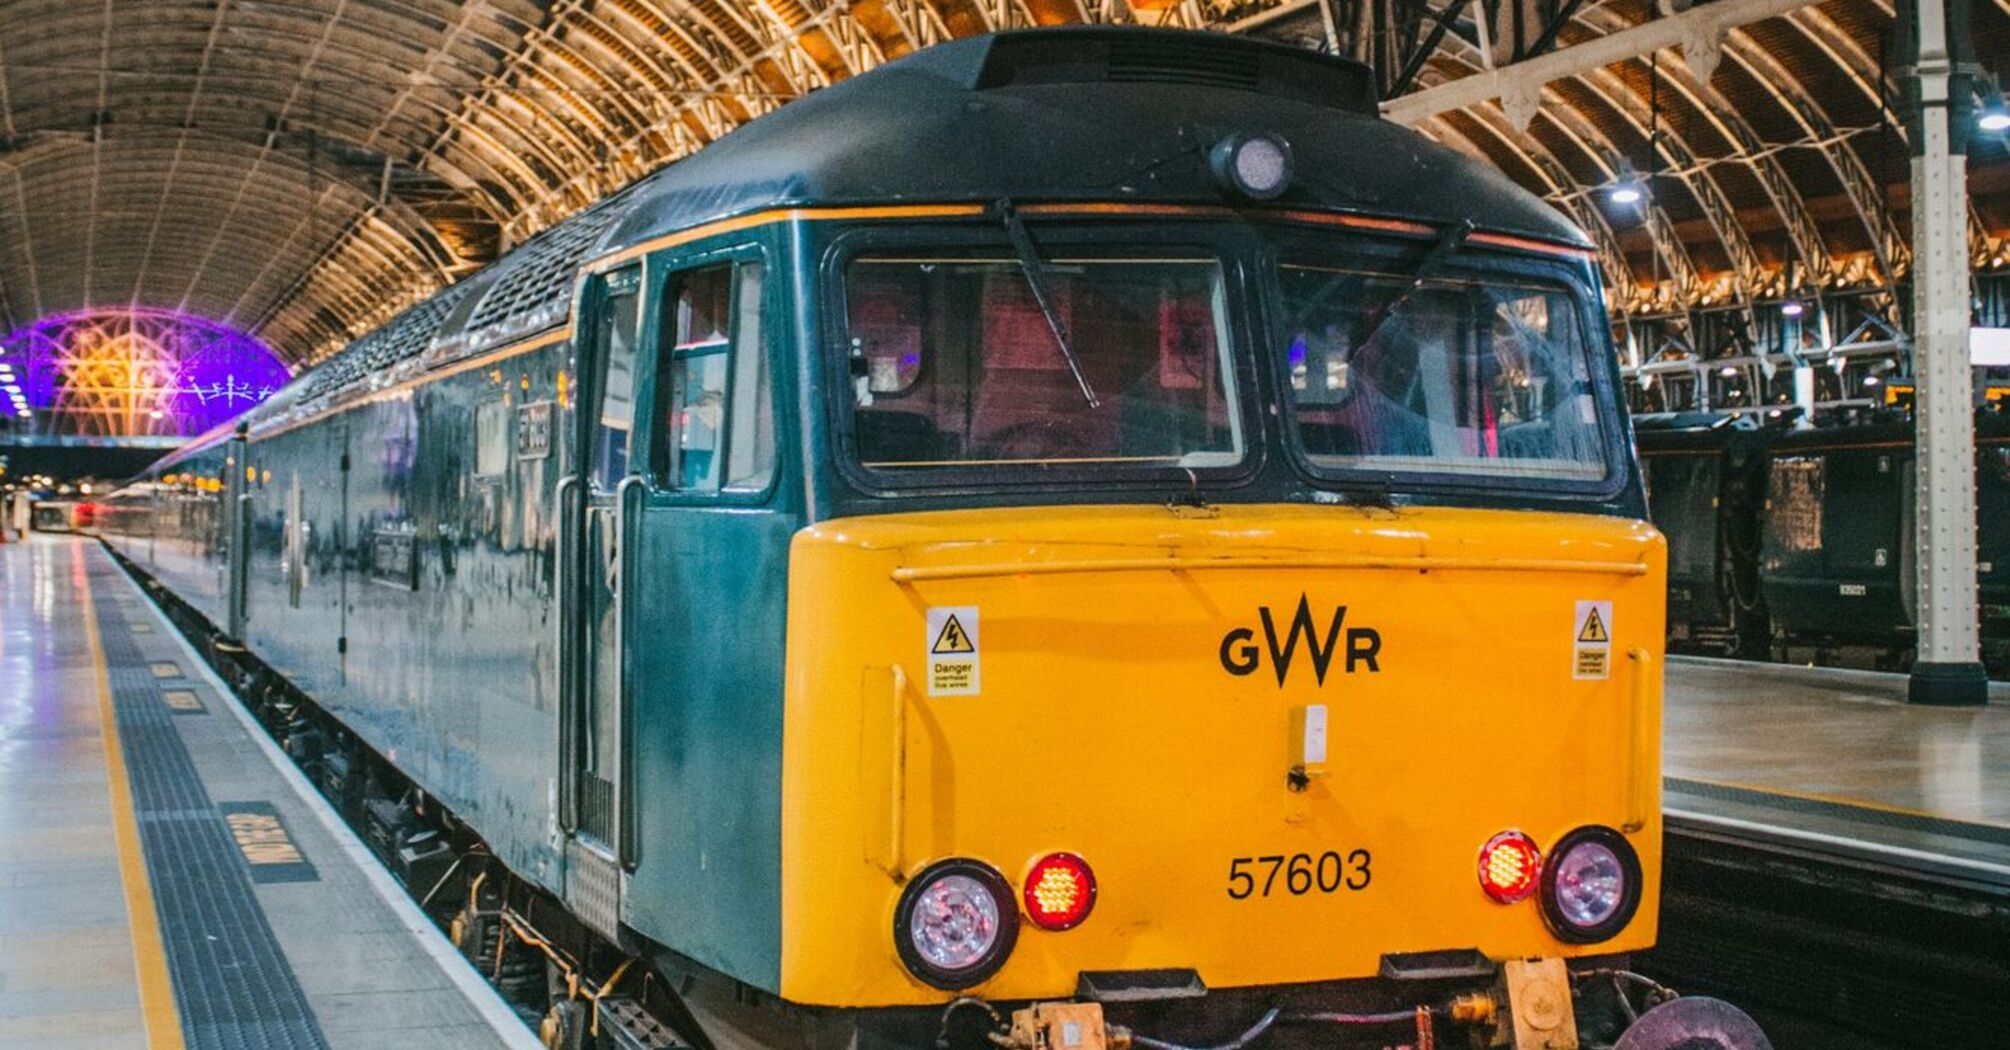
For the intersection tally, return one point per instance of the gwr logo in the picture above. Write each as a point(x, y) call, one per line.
point(1240, 656)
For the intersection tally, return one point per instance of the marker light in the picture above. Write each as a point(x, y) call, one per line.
point(1591, 885)
point(1256, 166)
point(1060, 890)
point(1509, 866)
point(955, 925)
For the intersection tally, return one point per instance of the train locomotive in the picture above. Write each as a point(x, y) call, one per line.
point(1074, 538)
point(1791, 542)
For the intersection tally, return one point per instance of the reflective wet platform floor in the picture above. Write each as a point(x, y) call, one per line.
point(1837, 761)
point(166, 879)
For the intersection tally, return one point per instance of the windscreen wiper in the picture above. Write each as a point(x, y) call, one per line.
point(1036, 279)
point(1449, 242)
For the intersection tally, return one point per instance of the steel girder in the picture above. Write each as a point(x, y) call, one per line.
point(305, 167)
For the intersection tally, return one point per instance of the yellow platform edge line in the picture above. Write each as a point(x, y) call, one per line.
point(1841, 800)
point(158, 1012)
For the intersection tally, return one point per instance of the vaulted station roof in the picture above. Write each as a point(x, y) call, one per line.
point(302, 169)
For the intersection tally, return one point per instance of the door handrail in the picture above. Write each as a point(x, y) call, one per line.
point(561, 597)
point(623, 844)
point(1643, 771)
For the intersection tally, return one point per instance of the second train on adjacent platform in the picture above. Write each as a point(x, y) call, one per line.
point(1783, 543)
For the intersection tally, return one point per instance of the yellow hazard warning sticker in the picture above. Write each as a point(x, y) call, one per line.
point(954, 653)
point(1591, 641)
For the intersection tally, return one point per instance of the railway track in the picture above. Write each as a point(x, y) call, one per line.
point(1834, 941)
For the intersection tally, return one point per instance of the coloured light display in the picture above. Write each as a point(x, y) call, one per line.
point(131, 373)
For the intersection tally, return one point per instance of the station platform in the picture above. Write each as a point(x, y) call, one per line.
point(1836, 762)
point(167, 878)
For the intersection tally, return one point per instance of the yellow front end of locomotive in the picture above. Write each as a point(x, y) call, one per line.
point(1135, 685)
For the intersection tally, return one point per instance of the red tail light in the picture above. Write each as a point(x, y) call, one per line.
point(1510, 866)
point(1060, 890)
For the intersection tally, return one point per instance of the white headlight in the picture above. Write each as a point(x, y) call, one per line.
point(1261, 165)
point(955, 924)
point(1255, 166)
point(1591, 885)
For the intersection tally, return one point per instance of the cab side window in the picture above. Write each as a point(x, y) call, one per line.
point(718, 428)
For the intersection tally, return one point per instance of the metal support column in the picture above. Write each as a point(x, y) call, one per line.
point(1938, 107)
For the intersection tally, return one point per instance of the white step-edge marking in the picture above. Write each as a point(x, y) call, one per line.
point(479, 993)
point(1858, 849)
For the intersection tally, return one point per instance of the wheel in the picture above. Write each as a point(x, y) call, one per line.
point(1694, 1023)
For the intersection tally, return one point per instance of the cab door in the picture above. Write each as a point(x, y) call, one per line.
point(594, 496)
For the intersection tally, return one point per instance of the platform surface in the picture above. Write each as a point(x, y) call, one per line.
point(1839, 754)
point(164, 883)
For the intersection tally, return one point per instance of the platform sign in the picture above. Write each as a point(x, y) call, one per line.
point(954, 655)
point(1591, 641)
point(268, 848)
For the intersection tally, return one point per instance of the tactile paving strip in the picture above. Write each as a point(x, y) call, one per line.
point(231, 980)
point(1916, 822)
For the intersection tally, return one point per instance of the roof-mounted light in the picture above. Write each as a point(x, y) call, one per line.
point(1254, 165)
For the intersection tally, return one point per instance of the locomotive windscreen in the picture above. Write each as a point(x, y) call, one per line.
point(1460, 377)
point(956, 364)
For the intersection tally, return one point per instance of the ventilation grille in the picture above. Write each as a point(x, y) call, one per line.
point(532, 289)
point(1211, 60)
point(537, 278)
point(1181, 62)
point(404, 336)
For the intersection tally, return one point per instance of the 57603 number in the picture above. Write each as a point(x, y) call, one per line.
point(1299, 874)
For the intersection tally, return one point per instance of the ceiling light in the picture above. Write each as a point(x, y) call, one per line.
point(1996, 119)
point(1624, 193)
point(1792, 308)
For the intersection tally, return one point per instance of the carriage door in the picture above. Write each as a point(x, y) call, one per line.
point(601, 480)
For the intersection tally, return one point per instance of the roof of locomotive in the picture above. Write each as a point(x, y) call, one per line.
point(1084, 113)
point(1041, 115)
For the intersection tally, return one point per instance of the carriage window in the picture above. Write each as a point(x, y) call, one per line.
point(955, 364)
point(719, 427)
point(1451, 377)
